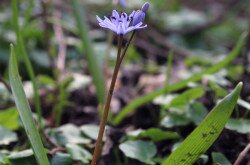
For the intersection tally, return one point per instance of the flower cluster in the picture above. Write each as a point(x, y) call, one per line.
point(122, 24)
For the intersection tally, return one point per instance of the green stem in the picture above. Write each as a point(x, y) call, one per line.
point(25, 58)
point(126, 47)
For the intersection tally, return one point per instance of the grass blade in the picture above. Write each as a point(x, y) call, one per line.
point(24, 111)
point(93, 65)
point(24, 56)
point(177, 86)
point(206, 133)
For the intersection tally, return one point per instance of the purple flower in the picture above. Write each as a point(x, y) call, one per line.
point(139, 15)
point(122, 24)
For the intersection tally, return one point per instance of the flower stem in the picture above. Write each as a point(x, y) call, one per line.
point(126, 48)
point(103, 122)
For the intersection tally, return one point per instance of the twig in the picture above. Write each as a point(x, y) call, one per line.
point(242, 155)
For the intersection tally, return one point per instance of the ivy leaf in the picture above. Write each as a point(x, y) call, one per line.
point(22, 157)
point(239, 125)
point(173, 120)
point(219, 158)
point(68, 133)
point(61, 159)
point(91, 131)
point(7, 136)
point(140, 150)
point(78, 153)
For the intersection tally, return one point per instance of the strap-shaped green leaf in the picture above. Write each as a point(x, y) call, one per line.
point(91, 57)
point(25, 112)
point(206, 133)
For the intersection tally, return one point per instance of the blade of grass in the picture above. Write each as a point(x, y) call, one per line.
point(206, 133)
point(169, 67)
point(24, 56)
point(91, 57)
point(177, 86)
point(28, 13)
point(25, 111)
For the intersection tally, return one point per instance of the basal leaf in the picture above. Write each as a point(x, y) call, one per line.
point(186, 97)
point(25, 111)
point(206, 133)
point(155, 134)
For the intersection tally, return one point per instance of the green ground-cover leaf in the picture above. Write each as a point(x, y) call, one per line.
point(155, 134)
point(68, 133)
point(219, 91)
point(3, 157)
point(22, 157)
point(206, 133)
point(219, 158)
point(9, 118)
point(91, 131)
point(193, 112)
point(25, 111)
point(177, 86)
point(7, 136)
point(140, 150)
point(173, 120)
point(78, 153)
point(184, 98)
point(21, 154)
point(61, 159)
point(239, 125)
point(196, 112)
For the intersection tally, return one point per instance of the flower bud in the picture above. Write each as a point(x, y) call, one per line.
point(145, 7)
